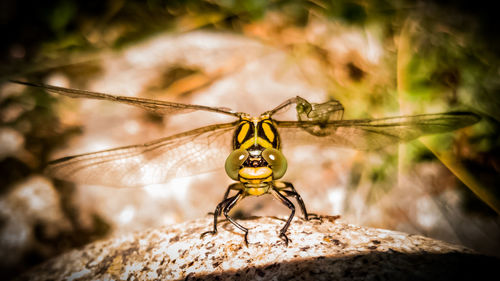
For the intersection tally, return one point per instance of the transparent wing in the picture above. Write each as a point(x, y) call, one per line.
point(155, 106)
point(372, 133)
point(188, 153)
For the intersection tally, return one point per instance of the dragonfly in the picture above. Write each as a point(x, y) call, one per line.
point(249, 148)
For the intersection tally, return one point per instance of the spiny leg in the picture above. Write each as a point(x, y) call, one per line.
point(222, 205)
point(228, 208)
point(290, 206)
point(297, 197)
point(234, 186)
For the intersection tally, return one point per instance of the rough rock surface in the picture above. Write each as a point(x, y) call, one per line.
point(319, 250)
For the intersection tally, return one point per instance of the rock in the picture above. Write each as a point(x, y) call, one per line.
point(30, 215)
point(319, 250)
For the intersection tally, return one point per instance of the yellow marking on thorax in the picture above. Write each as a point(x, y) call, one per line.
point(256, 136)
point(243, 132)
point(264, 143)
point(248, 143)
point(267, 130)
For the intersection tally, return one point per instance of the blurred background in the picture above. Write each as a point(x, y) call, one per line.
point(378, 58)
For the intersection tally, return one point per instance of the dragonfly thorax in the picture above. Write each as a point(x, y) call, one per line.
point(256, 132)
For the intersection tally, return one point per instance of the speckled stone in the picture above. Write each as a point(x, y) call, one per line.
point(319, 250)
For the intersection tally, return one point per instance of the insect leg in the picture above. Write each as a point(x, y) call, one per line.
point(222, 205)
point(290, 206)
point(234, 186)
point(228, 208)
point(294, 193)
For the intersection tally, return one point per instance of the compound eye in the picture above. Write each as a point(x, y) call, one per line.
point(234, 162)
point(276, 160)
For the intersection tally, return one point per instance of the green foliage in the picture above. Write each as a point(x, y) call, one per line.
point(61, 16)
